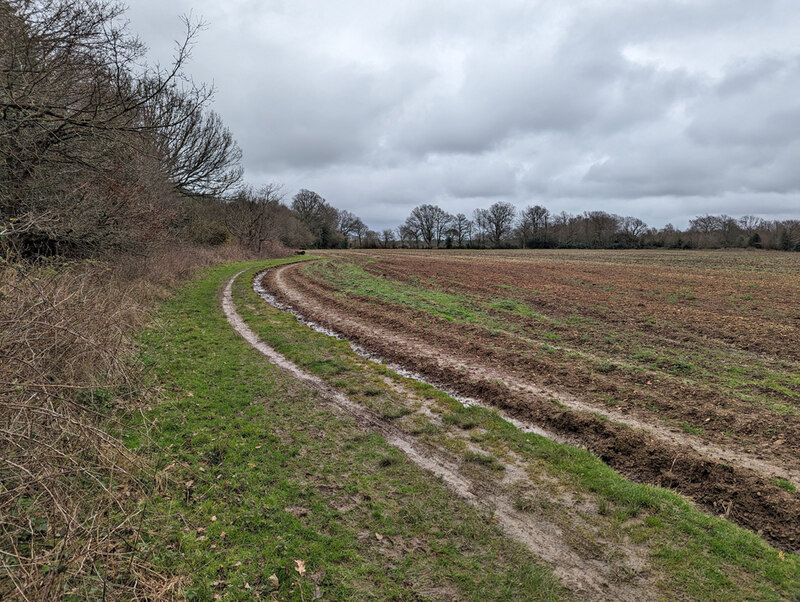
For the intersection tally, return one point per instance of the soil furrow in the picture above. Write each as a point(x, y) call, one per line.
point(497, 358)
point(724, 481)
point(587, 578)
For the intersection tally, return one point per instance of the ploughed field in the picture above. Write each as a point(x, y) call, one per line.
point(678, 368)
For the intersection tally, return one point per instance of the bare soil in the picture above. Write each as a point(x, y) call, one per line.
point(725, 476)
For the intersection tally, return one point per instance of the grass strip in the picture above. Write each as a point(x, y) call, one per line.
point(263, 492)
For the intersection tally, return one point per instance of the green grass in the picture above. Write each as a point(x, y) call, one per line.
point(485, 460)
point(787, 485)
point(255, 474)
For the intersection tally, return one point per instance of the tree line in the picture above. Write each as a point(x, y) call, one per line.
point(502, 226)
point(102, 154)
point(97, 148)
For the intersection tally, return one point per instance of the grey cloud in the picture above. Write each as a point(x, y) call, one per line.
point(655, 108)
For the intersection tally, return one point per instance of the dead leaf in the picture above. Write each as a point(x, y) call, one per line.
point(223, 535)
point(273, 579)
point(247, 586)
point(300, 567)
point(213, 519)
point(378, 536)
point(239, 563)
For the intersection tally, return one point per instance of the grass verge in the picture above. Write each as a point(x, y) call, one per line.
point(263, 492)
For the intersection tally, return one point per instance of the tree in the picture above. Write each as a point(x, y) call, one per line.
point(600, 228)
point(371, 239)
point(705, 230)
point(630, 233)
point(83, 124)
point(480, 219)
point(388, 238)
point(533, 225)
point(784, 241)
point(461, 230)
point(429, 223)
point(199, 152)
point(257, 217)
point(750, 223)
point(319, 217)
point(408, 236)
point(361, 230)
point(347, 223)
point(499, 219)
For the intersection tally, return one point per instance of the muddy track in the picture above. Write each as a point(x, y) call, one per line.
point(587, 578)
point(727, 482)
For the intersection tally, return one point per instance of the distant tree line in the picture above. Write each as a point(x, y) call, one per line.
point(502, 226)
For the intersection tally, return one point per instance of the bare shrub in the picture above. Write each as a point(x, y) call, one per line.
point(70, 492)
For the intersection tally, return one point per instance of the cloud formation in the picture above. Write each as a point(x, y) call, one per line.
point(659, 109)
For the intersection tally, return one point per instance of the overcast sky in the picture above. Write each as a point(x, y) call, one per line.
point(659, 109)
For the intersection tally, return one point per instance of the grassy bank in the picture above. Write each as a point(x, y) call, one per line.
point(264, 492)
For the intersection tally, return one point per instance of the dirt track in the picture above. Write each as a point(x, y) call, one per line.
point(725, 481)
point(588, 578)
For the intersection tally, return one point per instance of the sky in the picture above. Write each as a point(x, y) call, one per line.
point(663, 110)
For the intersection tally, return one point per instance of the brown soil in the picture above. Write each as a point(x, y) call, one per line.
point(474, 363)
point(618, 299)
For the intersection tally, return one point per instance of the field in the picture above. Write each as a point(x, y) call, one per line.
point(679, 369)
point(288, 466)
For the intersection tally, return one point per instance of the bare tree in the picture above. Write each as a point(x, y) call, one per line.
point(408, 236)
point(372, 239)
point(750, 223)
point(319, 217)
point(499, 220)
point(429, 222)
point(532, 226)
point(361, 230)
point(388, 238)
point(460, 230)
point(255, 217)
point(80, 161)
point(198, 151)
point(347, 223)
point(600, 228)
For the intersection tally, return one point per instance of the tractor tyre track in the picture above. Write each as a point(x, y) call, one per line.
point(723, 481)
point(589, 579)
